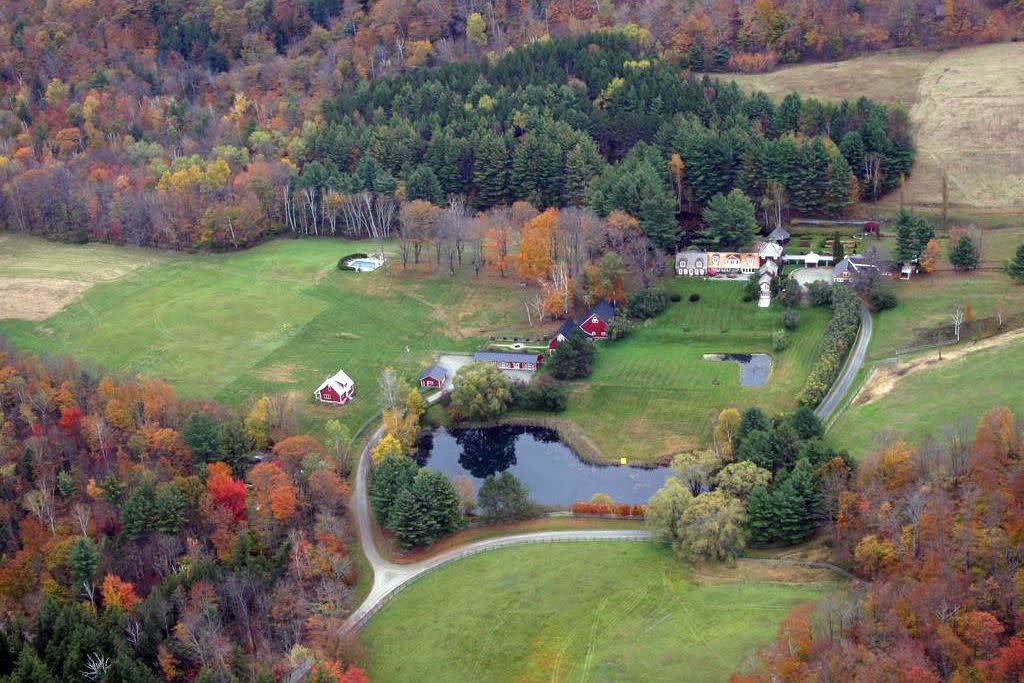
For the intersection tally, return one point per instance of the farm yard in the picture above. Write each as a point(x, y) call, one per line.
point(578, 612)
point(653, 395)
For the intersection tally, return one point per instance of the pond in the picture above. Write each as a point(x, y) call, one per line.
point(754, 367)
point(550, 469)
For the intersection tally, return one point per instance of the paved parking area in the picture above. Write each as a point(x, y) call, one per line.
point(806, 276)
point(453, 361)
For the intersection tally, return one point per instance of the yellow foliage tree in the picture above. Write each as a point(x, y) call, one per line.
point(257, 424)
point(534, 259)
point(388, 446)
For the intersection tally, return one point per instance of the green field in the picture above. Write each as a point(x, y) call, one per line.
point(950, 395)
point(574, 612)
point(653, 394)
point(277, 318)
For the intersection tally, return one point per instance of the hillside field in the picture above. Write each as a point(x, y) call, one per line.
point(965, 105)
point(574, 612)
point(933, 397)
point(280, 317)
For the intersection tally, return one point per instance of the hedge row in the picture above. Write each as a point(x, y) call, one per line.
point(839, 337)
point(620, 510)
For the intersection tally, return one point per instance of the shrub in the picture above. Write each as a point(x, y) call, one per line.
point(820, 293)
point(780, 340)
point(341, 261)
point(574, 358)
point(790, 319)
point(619, 327)
point(882, 299)
point(543, 396)
point(694, 298)
point(789, 296)
point(603, 508)
point(647, 303)
point(675, 297)
point(751, 289)
point(838, 338)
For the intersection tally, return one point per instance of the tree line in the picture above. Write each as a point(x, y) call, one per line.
point(599, 121)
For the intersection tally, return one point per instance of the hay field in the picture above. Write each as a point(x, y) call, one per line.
point(39, 278)
point(967, 106)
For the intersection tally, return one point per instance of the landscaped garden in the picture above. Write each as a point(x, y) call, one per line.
point(653, 394)
point(576, 612)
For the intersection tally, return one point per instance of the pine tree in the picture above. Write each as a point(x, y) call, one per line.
point(440, 500)
point(852, 148)
point(1015, 269)
point(411, 522)
point(170, 509)
point(390, 476)
point(839, 189)
point(762, 521)
point(202, 435)
point(808, 195)
point(423, 184)
point(964, 253)
point(83, 561)
point(730, 221)
point(138, 514)
point(490, 171)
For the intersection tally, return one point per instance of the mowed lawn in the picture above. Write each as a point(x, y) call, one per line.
point(574, 612)
point(277, 318)
point(653, 395)
point(937, 399)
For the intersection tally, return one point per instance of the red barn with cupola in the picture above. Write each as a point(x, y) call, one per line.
point(595, 323)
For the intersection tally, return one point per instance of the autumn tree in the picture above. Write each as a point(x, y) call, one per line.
point(534, 259)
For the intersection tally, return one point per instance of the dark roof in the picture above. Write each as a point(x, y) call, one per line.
point(434, 371)
point(566, 329)
point(779, 233)
point(604, 309)
point(493, 357)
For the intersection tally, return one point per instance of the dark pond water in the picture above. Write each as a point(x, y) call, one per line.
point(754, 367)
point(549, 468)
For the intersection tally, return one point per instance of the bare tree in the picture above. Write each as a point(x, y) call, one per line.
point(390, 392)
point(958, 321)
point(82, 514)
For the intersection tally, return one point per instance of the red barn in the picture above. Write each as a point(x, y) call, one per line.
point(434, 378)
point(338, 389)
point(564, 332)
point(595, 323)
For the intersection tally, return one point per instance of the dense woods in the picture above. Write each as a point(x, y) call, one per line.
point(146, 538)
point(603, 121)
point(934, 533)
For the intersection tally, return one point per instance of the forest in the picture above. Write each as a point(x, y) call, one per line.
point(599, 121)
point(147, 538)
point(934, 534)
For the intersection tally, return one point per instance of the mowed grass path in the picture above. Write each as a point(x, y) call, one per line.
point(277, 318)
point(930, 401)
point(574, 612)
point(653, 394)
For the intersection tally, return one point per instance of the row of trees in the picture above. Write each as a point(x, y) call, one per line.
point(145, 537)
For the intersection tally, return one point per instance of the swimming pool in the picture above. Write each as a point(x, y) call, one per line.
point(362, 264)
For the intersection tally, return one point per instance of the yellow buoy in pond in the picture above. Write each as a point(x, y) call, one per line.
point(622, 460)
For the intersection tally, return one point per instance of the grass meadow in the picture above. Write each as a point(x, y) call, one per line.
point(949, 395)
point(653, 395)
point(573, 612)
point(278, 318)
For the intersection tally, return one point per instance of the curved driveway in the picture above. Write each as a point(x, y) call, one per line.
point(389, 578)
point(853, 364)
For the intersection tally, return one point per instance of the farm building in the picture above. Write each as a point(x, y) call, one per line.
point(764, 285)
point(595, 323)
point(434, 377)
point(510, 361)
point(850, 266)
point(779, 235)
point(563, 333)
point(769, 251)
point(337, 389)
